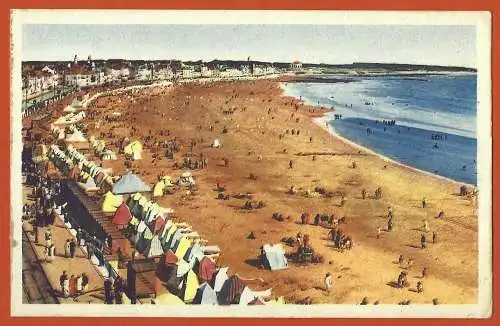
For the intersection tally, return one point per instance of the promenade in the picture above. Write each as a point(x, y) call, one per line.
point(73, 266)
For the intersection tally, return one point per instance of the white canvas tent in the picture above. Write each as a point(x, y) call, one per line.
point(76, 137)
point(216, 144)
point(275, 257)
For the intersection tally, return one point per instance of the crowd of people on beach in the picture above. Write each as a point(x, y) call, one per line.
point(48, 200)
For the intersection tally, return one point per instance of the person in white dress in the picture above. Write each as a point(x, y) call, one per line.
point(79, 287)
point(328, 281)
point(66, 288)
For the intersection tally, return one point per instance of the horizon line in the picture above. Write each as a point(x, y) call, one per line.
point(263, 61)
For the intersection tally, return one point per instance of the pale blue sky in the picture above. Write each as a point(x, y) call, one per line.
point(335, 44)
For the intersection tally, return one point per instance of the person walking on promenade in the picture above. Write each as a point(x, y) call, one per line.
point(50, 253)
point(35, 231)
point(62, 279)
point(108, 295)
point(66, 248)
point(72, 248)
point(48, 238)
point(79, 287)
point(85, 282)
point(90, 250)
point(118, 289)
point(79, 237)
point(72, 285)
point(66, 287)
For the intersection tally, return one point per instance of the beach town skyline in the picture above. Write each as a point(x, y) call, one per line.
point(331, 44)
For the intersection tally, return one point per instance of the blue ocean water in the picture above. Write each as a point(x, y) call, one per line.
point(422, 107)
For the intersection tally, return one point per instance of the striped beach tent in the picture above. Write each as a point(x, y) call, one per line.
point(205, 295)
point(155, 249)
point(122, 215)
point(231, 290)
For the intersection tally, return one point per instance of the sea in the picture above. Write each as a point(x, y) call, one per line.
point(434, 118)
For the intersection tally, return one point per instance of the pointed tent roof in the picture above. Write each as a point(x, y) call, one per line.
point(133, 147)
point(168, 299)
point(155, 249)
point(232, 288)
point(99, 177)
point(247, 296)
point(111, 202)
point(75, 172)
point(144, 240)
point(158, 189)
point(183, 246)
point(256, 302)
point(76, 136)
point(158, 225)
point(130, 183)
point(275, 256)
point(191, 286)
point(220, 278)
point(170, 257)
point(165, 228)
point(195, 252)
point(89, 184)
point(205, 295)
point(122, 215)
point(206, 269)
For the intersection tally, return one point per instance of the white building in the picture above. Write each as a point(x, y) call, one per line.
point(143, 74)
point(231, 72)
point(39, 82)
point(296, 66)
point(82, 77)
point(164, 73)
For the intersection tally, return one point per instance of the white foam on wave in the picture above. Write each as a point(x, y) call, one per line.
point(338, 95)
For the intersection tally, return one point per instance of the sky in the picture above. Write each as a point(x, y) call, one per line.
point(333, 44)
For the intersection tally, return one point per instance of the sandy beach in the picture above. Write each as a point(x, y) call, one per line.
point(252, 145)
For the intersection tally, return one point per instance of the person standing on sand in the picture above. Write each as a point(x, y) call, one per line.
point(434, 237)
point(363, 193)
point(290, 164)
point(424, 203)
point(328, 282)
point(410, 263)
point(400, 260)
point(425, 226)
point(423, 241)
point(424, 272)
point(379, 232)
point(420, 287)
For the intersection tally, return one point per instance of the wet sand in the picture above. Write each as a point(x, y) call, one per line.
point(189, 110)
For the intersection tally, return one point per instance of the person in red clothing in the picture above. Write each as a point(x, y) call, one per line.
point(72, 285)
